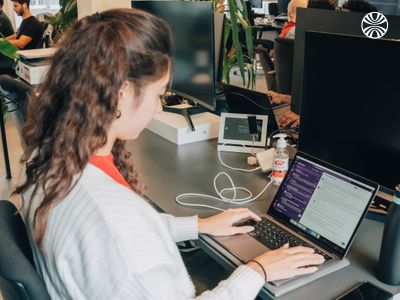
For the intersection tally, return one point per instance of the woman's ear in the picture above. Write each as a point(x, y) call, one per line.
point(122, 92)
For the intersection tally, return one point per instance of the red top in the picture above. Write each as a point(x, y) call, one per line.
point(107, 165)
point(286, 28)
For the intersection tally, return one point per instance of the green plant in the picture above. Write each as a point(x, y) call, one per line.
point(234, 56)
point(67, 14)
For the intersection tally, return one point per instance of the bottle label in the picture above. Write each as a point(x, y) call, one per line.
point(281, 164)
point(280, 169)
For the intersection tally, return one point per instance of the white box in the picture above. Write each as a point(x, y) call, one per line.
point(36, 53)
point(174, 127)
point(33, 74)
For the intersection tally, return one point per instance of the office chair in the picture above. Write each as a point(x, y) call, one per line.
point(13, 96)
point(41, 42)
point(284, 50)
point(18, 277)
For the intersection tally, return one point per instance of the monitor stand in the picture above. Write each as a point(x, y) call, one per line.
point(186, 111)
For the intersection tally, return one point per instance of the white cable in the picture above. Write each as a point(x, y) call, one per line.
point(233, 168)
point(233, 200)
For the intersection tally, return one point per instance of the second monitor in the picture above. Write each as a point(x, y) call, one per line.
point(350, 112)
point(194, 41)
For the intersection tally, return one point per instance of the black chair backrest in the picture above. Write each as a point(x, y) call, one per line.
point(40, 42)
point(284, 49)
point(18, 277)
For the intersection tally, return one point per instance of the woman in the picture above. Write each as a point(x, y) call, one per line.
point(288, 30)
point(93, 236)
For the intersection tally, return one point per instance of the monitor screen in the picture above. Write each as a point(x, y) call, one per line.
point(309, 19)
point(282, 6)
point(244, 101)
point(192, 27)
point(256, 3)
point(350, 111)
point(321, 201)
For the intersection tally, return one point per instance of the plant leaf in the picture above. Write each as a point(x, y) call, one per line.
point(234, 56)
point(233, 9)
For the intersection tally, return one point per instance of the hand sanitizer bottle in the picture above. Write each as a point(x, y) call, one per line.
point(388, 270)
point(281, 160)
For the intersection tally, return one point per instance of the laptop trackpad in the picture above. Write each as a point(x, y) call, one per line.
point(243, 246)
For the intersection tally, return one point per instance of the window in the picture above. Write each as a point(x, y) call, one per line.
point(41, 7)
point(44, 6)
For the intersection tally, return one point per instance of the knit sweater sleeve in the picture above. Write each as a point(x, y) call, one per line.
point(243, 284)
point(181, 228)
point(156, 272)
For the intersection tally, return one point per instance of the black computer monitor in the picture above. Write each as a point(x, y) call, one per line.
point(351, 105)
point(309, 19)
point(256, 3)
point(192, 26)
point(282, 6)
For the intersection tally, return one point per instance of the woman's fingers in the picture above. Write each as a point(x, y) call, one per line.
point(307, 260)
point(299, 249)
point(244, 213)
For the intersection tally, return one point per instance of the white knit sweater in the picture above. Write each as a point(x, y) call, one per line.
point(103, 241)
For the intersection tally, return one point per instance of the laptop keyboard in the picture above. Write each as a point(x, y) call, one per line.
point(275, 237)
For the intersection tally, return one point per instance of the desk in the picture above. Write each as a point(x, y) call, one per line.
point(168, 170)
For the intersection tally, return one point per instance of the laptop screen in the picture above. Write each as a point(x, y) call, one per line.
point(245, 101)
point(325, 204)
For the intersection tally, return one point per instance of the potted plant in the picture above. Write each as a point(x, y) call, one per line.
point(237, 20)
point(61, 20)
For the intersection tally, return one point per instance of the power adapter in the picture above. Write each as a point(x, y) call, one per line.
point(251, 160)
point(266, 159)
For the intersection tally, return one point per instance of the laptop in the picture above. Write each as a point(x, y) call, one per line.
point(317, 205)
point(245, 101)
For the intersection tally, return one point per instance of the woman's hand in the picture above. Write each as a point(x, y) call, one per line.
point(287, 262)
point(222, 224)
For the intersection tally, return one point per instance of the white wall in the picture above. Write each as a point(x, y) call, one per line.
point(88, 7)
point(8, 8)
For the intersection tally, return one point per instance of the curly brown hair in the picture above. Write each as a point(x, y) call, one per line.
point(68, 120)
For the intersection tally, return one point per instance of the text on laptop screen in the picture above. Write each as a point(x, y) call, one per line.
point(321, 202)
